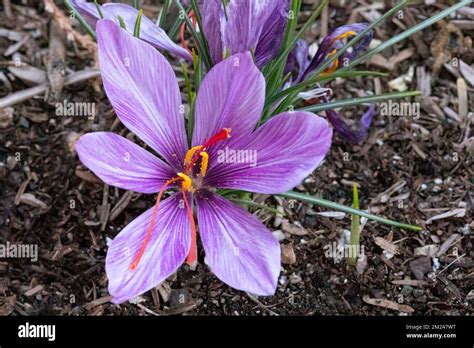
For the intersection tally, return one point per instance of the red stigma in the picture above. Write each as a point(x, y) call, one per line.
point(223, 134)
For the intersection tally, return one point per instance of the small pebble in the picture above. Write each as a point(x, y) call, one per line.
point(438, 181)
point(466, 230)
point(279, 235)
point(282, 280)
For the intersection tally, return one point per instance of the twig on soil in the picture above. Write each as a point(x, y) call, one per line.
point(121, 205)
point(104, 208)
point(261, 305)
point(20, 96)
point(56, 59)
point(388, 304)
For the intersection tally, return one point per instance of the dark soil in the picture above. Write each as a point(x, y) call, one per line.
point(427, 161)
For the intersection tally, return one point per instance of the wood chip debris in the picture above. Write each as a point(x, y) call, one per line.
point(467, 72)
point(380, 302)
point(410, 282)
point(31, 200)
point(448, 243)
point(97, 302)
point(286, 226)
point(34, 291)
point(458, 212)
point(288, 256)
point(429, 250)
point(463, 107)
point(386, 245)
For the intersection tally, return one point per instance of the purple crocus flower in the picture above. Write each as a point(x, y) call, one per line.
point(334, 42)
point(149, 32)
point(328, 48)
point(244, 25)
point(144, 92)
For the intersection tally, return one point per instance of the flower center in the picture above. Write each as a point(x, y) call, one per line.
point(190, 161)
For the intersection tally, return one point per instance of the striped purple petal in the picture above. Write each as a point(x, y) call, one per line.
point(167, 249)
point(231, 96)
point(244, 26)
point(275, 158)
point(240, 250)
point(143, 90)
point(121, 163)
point(149, 32)
point(342, 128)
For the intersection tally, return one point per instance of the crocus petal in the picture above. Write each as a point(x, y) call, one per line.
point(250, 24)
point(230, 96)
point(342, 128)
point(121, 163)
point(334, 41)
point(239, 249)
point(300, 56)
point(149, 32)
point(87, 10)
point(275, 158)
point(269, 42)
point(143, 90)
point(212, 13)
point(166, 250)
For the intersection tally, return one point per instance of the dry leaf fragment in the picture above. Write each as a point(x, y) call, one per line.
point(286, 226)
point(386, 245)
point(381, 302)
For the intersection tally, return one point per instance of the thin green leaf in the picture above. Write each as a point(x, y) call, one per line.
point(163, 13)
point(300, 87)
point(358, 101)
point(277, 68)
point(407, 33)
point(98, 9)
point(355, 226)
point(203, 52)
point(339, 207)
point(359, 37)
point(138, 22)
point(80, 19)
point(192, 103)
point(122, 23)
point(197, 67)
point(198, 15)
point(254, 204)
point(174, 29)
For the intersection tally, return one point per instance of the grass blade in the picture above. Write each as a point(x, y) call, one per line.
point(81, 20)
point(358, 101)
point(254, 204)
point(339, 207)
point(276, 69)
point(163, 13)
point(359, 37)
point(407, 33)
point(321, 79)
point(203, 52)
point(138, 22)
point(355, 227)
